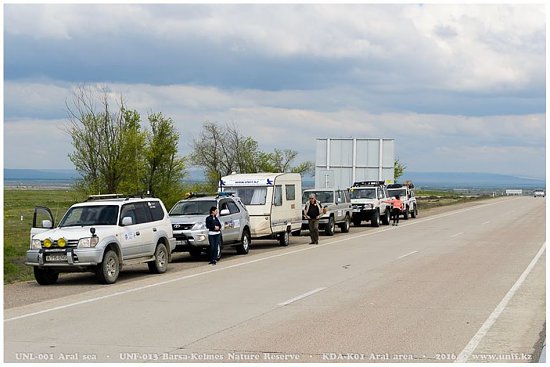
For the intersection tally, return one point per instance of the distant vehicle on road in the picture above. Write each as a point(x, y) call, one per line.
point(101, 235)
point(336, 205)
point(406, 194)
point(539, 193)
point(272, 200)
point(188, 222)
point(368, 200)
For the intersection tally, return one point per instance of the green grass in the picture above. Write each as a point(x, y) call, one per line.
point(18, 212)
point(431, 198)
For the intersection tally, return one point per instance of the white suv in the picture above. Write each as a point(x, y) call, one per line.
point(101, 235)
point(368, 200)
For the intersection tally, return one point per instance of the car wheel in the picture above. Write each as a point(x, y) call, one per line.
point(45, 276)
point(284, 238)
point(160, 264)
point(331, 226)
point(386, 217)
point(406, 213)
point(344, 227)
point(244, 247)
point(375, 221)
point(414, 213)
point(107, 272)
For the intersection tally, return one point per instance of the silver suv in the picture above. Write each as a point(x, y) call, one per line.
point(336, 205)
point(368, 203)
point(188, 223)
point(101, 235)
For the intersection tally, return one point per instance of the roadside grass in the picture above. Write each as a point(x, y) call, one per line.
point(18, 212)
point(19, 208)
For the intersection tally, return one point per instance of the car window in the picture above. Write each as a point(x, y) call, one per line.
point(278, 195)
point(233, 208)
point(290, 192)
point(156, 210)
point(143, 215)
point(250, 195)
point(128, 210)
point(222, 206)
point(193, 207)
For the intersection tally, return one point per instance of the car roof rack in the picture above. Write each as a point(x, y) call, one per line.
point(106, 196)
point(223, 194)
point(191, 195)
point(368, 183)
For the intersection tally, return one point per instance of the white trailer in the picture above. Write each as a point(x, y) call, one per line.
point(341, 162)
point(273, 201)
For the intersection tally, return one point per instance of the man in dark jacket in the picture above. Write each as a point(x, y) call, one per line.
point(313, 212)
point(214, 234)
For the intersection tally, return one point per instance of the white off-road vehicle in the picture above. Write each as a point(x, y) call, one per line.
point(406, 195)
point(101, 235)
point(368, 200)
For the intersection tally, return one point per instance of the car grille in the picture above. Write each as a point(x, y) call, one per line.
point(70, 244)
point(182, 227)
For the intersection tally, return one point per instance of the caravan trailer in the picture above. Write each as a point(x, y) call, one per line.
point(273, 201)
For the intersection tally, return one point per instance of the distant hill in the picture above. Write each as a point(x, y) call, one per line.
point(470, 180)
point(420, 179)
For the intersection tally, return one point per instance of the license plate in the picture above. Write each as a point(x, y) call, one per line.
point(56, 258)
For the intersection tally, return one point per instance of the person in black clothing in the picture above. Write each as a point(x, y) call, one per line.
point(313, 212)
point(214, 234)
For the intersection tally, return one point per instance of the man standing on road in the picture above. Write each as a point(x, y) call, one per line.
point(214, 234)
point(312, 212)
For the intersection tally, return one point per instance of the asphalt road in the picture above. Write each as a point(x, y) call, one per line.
point(462, 285)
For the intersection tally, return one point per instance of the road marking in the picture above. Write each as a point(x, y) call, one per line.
point(410, 253)
point(474, 342)
point(222, 268)
point(486, 222)
point(301, 296)
point(457, 234)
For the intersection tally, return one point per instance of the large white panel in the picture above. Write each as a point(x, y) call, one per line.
point(321, 153)
point(362, 148)
point(388, 153)
point(373, 153)
point(341, 152)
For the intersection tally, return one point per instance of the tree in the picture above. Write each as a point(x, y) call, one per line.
point(164, 170)
point(107, 141)
point(113, 154)
point(398, 169)
point(281, 160)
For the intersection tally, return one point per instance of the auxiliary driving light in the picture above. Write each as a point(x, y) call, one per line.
point(47, 243)
point(61, 242)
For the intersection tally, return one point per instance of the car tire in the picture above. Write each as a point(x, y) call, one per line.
point(375, 220)
point(244, 247)
point(284, 238)
point(344, 227)
point(331, 226)
point(45, 276)
point(107, 272)
point(406, 213)
point(160, 264)
point(386, 217)
point(414, 213)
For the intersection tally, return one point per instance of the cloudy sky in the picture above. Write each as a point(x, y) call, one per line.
point(461, 88)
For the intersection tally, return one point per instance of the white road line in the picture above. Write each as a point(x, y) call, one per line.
point(301, 296)
point(222, 268)
point(410, 253)
point(457, 234)
point(474, 342)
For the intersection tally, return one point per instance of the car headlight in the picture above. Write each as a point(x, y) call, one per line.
point(48, 243)
point(88, 242)
point(61, 242)
point(200, 225)
point(36, 244)
point(368, 206)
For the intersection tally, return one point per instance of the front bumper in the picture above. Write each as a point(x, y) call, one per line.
point(191, 239)
point(64, 258)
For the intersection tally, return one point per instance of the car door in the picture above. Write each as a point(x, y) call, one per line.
point(226, 220)
point(136, 238)
point(42, 220)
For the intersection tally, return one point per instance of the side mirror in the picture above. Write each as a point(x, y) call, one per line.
point(224, 212)
point(46, 223)
point(126, 221)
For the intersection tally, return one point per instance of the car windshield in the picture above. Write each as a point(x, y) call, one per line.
point(368, 193)
point(91, 215)
point(324, 197)
point(193, 207)
point(401, 192)
point(249, 195)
